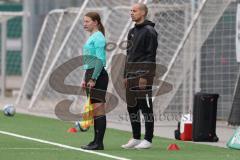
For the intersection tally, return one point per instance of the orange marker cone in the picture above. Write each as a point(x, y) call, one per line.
point(173, 147)
point(72, 130)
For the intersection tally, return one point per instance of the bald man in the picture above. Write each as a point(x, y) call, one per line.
point(142, 46)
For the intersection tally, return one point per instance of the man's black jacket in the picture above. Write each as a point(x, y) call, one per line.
point(142, 47)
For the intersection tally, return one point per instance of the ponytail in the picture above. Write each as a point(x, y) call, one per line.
point(101, 28)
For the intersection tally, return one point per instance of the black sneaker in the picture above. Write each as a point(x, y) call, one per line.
point(94, 146)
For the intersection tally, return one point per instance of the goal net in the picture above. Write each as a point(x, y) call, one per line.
point(183, 26)
point(61, 38)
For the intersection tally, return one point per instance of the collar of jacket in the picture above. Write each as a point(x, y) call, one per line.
point(146, 22)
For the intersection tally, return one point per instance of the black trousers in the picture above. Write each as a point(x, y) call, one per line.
point(140, 100)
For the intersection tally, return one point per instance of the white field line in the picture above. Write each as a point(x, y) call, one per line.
point(62, 145)
point(27, 148)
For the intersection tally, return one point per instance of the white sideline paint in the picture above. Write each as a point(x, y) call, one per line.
point(62, 145)
point(18, 148)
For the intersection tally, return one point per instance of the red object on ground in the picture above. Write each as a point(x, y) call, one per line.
point(173, 147)
point(72, 130)
point(186, 135)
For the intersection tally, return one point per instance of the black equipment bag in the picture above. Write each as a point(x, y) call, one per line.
point(204, 117)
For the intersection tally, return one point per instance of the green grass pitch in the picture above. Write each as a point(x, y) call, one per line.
point(13, 148)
